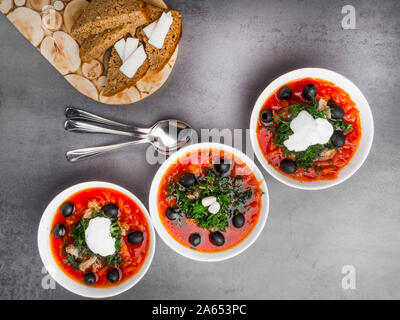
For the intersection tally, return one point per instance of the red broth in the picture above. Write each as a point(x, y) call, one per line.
point(194, 162)
point(327, 169)
point(133, 256)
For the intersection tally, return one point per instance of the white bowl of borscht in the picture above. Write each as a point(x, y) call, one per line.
point(311, 128)
point(209, 202)
point(96, 239)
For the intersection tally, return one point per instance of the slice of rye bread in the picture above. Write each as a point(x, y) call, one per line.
point(158, 58)
point(116, 80)
point(101, 15)
point(95, 45)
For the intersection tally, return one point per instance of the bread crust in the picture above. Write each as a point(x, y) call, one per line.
point(158, 58)
point(95, 45)
point(101, 15)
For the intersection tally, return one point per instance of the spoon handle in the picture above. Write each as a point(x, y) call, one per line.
point(86, 127)
point(86, 153)
point(79, 114)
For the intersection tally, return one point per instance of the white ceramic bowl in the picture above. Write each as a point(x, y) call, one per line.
point(57, 274)
point(206, 256)
point(367, 126)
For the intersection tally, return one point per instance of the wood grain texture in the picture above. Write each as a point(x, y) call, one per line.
point(38, 21)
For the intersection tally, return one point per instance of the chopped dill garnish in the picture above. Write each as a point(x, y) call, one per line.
point(228, 190)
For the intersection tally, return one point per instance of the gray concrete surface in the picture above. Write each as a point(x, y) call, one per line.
point(230, 50)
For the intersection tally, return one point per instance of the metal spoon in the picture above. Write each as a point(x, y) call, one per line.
point(79, 114)
point(91, 127)
point(166, 136)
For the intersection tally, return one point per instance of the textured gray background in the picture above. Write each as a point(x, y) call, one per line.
point(230, 50)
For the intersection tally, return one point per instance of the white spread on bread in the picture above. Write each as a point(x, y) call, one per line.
point(308, 131)
point(126, 47)
point(132, 57)
point(149, 29)
point(133, 62)
point(157, 31)
point(131, 44)
point(120, 48)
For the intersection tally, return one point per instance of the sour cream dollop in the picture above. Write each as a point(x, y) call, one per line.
point(308, 131)
point(98, 236)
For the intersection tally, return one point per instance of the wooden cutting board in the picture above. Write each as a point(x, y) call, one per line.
point(47, 23)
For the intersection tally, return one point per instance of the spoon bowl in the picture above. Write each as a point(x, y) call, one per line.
point(166, 136)
point(170, 135)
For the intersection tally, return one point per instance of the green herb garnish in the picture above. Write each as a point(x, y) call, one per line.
point(281, 131)
point(229, 193)
point(72, 261)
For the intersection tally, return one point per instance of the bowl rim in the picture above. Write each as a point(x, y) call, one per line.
point(55, 271)
point(320, 73)
point(208, 256)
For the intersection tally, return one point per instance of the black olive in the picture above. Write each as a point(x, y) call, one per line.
point(67, 209)
point(223, 166)
point(285, 93)
point(337, 112)
point(309, 90)
point(90, 278)
point(238, 220)
point(171, 214)
point(217, 238)
point(195, 239)
point(188, 180)
point(59, 231)
point(338, 139)
point(135, 237)
point(288, 166)
point(113, 275)
point(266, 116)
point(111, 210)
